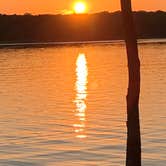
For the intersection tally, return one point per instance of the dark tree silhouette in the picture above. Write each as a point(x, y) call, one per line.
point(133, 157)
point(87, 27)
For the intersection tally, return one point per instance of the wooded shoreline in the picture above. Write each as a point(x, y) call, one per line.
point(75, 28)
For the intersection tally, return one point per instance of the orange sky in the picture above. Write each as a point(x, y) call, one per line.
point(63, 6)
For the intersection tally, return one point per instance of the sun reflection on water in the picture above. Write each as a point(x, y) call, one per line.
point(81, 95)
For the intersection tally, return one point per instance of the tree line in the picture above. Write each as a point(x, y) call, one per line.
point(83, 27)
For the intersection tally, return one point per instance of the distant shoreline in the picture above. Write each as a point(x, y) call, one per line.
point(77, 29)
point(54, 44)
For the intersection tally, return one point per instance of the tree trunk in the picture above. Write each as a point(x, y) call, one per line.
point(133, 156)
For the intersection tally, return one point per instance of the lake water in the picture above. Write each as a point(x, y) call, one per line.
point(66, 105)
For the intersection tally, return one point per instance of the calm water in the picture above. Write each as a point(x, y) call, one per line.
point(66, 105)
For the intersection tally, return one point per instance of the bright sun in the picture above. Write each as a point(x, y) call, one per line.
point(79, 7)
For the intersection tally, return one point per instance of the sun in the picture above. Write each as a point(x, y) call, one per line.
point(80, 7)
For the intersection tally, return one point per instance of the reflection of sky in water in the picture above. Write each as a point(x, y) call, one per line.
point(81, 94)
point(36, 109)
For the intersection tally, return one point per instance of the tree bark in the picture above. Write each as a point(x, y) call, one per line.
point(133, 156)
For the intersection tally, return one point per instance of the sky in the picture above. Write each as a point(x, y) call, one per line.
point(65, 6)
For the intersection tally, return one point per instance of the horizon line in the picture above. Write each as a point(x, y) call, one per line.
point(68, 14)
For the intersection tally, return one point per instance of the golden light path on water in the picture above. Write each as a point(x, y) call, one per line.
point(81, 95)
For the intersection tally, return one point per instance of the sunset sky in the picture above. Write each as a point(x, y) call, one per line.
point(66, 6)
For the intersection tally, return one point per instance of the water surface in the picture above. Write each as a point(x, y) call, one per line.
point(66, 105)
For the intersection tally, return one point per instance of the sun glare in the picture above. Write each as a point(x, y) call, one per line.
point(80, 7)
point(81, 95)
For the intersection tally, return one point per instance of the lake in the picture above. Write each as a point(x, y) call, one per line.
point(66, 105)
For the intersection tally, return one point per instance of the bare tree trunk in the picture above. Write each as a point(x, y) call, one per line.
point(133, 156)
